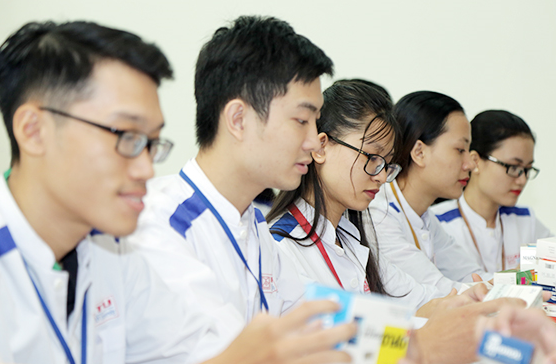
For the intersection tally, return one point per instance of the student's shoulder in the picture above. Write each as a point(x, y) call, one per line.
point(446, 211)
point(516, 211)
point(165, 194)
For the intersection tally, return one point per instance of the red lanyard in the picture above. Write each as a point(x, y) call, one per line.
point(314, 237)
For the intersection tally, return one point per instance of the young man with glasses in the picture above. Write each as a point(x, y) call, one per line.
point(81, 108)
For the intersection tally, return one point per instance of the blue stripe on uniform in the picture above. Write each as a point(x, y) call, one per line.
point(259, 216)
point(7, 243)
point(449, 215)
point(286, 224)
point(186, 212)
point(519, 211)
point(394, 207)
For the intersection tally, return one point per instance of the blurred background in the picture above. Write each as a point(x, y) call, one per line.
point(486, 54)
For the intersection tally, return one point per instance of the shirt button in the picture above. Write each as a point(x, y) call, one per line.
point(243, 234)
point(354, 283)
point(339, 251)
point(425, 236)
point(58, 284)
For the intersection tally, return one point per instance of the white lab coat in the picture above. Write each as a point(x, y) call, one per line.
point(440, 262)
point(184, 242)
point(519, 227)
point(349, 262)
point(132, 317)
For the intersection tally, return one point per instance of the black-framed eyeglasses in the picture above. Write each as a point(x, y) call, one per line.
point(130, 143)
point(514, 170)
point(375, 162)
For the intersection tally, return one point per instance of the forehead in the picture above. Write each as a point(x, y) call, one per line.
point(517, 148)
point(300, 96)
point(119, 92)
point(457, 128)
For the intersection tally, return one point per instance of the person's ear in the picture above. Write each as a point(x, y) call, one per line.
point(234, 117)
point(419, 153)
point(475, 157)
point(30, 129)
point(320, 156)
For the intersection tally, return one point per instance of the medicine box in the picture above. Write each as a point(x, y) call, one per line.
point(383, 324)
point(546, 248)
point(495, 348)
point(532, 295)
point(546, 272)
point(528, 258)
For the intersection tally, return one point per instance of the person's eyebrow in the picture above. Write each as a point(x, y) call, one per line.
point(308, 105)
point(519, 161)
point(136, 119)
point(466, 140)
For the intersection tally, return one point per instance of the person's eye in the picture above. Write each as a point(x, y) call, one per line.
point(461, 151)
point(302, 121)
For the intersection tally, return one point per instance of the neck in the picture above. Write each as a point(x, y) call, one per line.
point(334, 211)
point(56, 226)
point(228, 178)
point(417, 197)
point(481, 204)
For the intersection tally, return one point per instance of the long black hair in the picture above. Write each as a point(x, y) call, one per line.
point(346, 104)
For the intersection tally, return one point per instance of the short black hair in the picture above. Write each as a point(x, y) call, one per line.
point(254, 59)
point(56, 61)
point(490, 128)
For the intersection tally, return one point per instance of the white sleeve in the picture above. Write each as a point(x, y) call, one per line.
point(168, 254)
point(394, 244)
point(6, 322)
point(541, 231)
point(452, 259)
point(403, 287)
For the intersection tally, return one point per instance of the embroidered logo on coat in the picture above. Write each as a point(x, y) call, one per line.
point(268, 284)
point(106, 310)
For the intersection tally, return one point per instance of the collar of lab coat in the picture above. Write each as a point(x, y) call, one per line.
point(224, 207)
point(476, 219)
point(34, 250)
point(327, 233)
point(417, 222)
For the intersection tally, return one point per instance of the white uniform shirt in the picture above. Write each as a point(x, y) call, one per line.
point(350, 262)
point(515, 226)
point(132, 317)
point(440, 262)
point(188, 247)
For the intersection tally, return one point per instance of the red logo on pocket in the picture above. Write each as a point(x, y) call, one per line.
point(106, 310)
point(268, 284)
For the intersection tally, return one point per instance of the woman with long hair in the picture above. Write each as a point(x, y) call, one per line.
point(485, 219)
point(320, 225)
point(435, 160)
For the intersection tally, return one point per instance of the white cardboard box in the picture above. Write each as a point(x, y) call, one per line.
point(546, 248)
point(383, 324)
point(528, 258)
point(530, 294)
point(546, 272)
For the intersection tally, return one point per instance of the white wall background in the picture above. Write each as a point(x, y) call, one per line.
point(486, 54)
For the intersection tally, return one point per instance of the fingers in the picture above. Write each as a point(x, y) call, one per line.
point(453, 292)
point(546, 295)
point(486, 308)
point(320, 340)
point(331, 356)
point(476, 277)
point(299, 316)
point(478, 292)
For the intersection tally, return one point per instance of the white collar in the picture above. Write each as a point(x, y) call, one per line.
point(416, 221)
point(474, 218)
point(31, 246)
point(225, 208)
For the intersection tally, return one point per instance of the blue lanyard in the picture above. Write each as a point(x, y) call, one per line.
point(57, 330)
point(231, 237)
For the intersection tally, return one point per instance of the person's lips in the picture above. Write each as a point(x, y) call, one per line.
point(371, 193)
point(464, 181)
point(302, 167)
point(134, 199)
point(516, 192)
